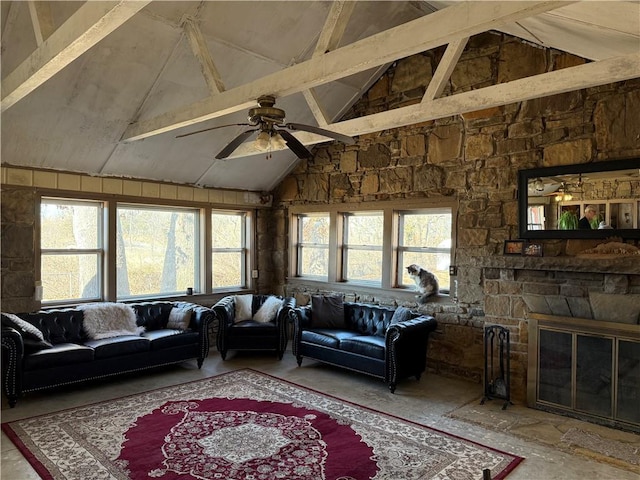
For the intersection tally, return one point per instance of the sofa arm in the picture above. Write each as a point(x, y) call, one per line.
point(201, 318)
point(406, 347)
point(12, 355)
point(301, 318)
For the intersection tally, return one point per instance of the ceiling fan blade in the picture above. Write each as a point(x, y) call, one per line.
point(215, 128)
point(235, 143)
point(294, 144)
point(321, 131)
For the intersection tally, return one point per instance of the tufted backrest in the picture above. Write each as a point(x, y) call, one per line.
point(58, 326)
point(367, 319)
point(152, 315)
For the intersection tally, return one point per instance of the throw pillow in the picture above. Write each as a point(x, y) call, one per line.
point(32, 337)
point(268, 310)
point(243, 307)
point(179, 318)
point(402, 314)
point(327, 311)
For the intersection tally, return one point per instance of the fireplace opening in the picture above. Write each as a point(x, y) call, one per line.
point(586, 368)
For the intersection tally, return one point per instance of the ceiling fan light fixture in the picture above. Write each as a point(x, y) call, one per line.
point(263, 141)
point(278, 142)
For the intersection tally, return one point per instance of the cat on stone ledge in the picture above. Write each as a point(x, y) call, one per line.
point(426, 282)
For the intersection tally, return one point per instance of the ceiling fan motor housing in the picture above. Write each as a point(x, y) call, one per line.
point(266, 109)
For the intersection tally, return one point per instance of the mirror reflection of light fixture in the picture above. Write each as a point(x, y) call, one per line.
point(538, 185)
point(564, 197)
point(267, 141)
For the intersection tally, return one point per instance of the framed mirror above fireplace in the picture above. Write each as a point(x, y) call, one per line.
point(553, 200)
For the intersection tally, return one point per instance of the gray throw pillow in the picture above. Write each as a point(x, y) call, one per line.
point(402, 314)
point(32, 338)
point(327, 311)
point(179, 318)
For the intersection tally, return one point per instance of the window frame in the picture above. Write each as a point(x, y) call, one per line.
point(390, 260)
point(346, 247)
point(109, 234)
point(99, 251)
point(244, 249)
point(401, 249)
point(196, 245)
point(300, 245)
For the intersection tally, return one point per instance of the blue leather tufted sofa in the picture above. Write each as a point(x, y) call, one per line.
point(367, 343)
point(75, 358)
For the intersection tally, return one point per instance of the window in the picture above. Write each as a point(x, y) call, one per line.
point(354, 244)
point(157, 251)
point(362, 247)
point(424, 238)
point(71, 250)
point(313, 245)
point(229, 250)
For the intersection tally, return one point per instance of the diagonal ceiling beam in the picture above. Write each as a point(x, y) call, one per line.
point(92, 22)
point(203, 55)
point(445, 68)
point(593, 74)
point(460, 20)
point(330, 36)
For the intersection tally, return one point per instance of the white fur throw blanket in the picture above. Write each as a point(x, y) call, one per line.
point(105, 320)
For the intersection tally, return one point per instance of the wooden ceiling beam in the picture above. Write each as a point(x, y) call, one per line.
point(439, 28)
point(593, 74)
point(92, 22)
point(203, 55)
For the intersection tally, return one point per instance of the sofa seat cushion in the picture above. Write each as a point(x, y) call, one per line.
point(117, 346)
point(249, 328)
point(168, 338)
point(369, 346)
point(327, 337)
point(59, 354)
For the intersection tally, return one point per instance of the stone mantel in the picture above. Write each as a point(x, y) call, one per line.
point(617, 264)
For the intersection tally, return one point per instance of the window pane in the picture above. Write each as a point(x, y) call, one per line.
point(314, 261)
point(365, 229)
point(364, 265)
point(228, 233)
point(69, 226)
point(70, 277)
point(426, 230)
point(227, 268)
point(227, 230)
point(315, 229)
point(436, 263)
point(430, 232)
point(156, 251)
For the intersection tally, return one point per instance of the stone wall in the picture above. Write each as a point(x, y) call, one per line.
point(473, 158)
point(18, 250)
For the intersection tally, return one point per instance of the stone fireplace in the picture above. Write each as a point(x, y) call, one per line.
point(579, 329)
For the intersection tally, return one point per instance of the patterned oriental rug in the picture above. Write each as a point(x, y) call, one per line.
point(244, 425)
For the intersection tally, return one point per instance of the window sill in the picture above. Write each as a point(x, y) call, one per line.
point(401, 295)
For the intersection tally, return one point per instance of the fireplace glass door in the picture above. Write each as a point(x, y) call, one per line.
point(597, 375)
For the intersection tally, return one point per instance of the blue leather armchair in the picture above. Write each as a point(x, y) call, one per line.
point(249, 334)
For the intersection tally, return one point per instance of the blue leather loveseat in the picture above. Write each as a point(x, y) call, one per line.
point(65, 354)
point(368, 340)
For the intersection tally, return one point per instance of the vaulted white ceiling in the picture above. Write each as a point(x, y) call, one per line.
point(105, 87)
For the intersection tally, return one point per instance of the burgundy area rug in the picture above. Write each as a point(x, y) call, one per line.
point(245, 425)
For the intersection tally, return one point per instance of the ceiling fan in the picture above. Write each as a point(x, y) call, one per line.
point(269, 122)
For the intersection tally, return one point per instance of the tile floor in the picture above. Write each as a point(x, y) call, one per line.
point(443, 403)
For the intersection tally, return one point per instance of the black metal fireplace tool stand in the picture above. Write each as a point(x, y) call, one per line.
point(496, 344)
